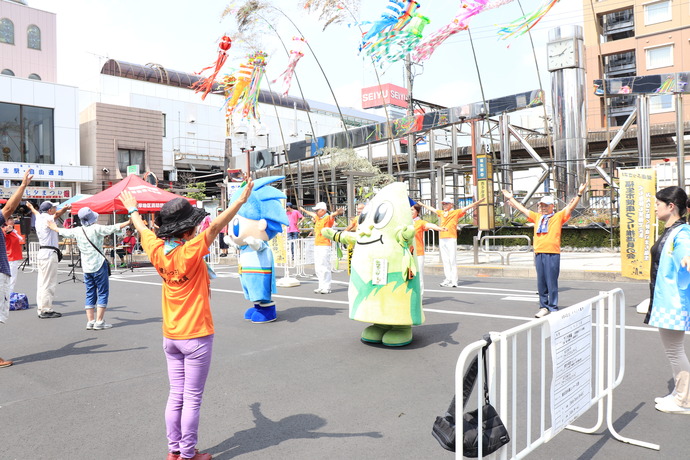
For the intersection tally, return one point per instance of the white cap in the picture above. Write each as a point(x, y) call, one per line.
point(447, 200)
point(320, 205)
point(547, 200)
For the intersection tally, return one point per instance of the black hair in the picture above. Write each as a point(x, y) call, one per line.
point(675, 195)
point(183, 232)
point(418, 207)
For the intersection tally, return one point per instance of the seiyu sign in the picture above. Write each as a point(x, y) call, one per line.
point(388, 94)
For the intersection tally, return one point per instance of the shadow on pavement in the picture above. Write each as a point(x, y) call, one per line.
point(268, 433)
point(71, 349)
point(295, 314)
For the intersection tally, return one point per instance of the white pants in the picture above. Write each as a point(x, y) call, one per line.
point(322, 266)
point(447, 247)
point(46, 283)
point(4, 297)
point(14, 269)
point(420, 272)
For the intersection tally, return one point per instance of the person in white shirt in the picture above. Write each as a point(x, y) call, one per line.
point(90, 242)
point(47, 258)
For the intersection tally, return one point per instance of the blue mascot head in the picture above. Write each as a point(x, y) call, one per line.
point(264, 203)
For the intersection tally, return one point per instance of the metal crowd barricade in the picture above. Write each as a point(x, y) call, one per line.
point(34, 247)
point(518, 369)
point(482, 245)
point(292, 255)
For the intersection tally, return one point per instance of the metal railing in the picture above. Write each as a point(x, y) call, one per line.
point(483, 244)
point(580, 350)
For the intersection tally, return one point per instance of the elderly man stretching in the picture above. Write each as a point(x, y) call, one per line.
point(448, 239)
point(322, 245)
point(47, 258)
point(547, 245)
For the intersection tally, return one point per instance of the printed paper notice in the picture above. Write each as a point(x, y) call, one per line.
point(571, 354)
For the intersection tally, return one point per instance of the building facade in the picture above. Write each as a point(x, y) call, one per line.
point(635, 37)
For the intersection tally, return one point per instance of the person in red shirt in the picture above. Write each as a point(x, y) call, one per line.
point(177, 252)
point(13, 246)
point(129, 241)
point(547, 244)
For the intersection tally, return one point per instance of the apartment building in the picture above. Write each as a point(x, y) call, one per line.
point(634, 37)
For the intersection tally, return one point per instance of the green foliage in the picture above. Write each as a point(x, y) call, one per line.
point(197, 191)
point(571, 237)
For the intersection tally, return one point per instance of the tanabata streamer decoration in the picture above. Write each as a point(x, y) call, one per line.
point(250, 101)
point(295, 55)
point(460, 22)
point(524, 24)
point(396, 33)
point(235, 87)
point(228, 84)
point(205, 85)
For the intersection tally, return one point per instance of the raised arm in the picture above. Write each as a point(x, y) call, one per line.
point(473, 205)
point(63, 210)
point(16, 197)
point(31, 208)
point(309, 213)
point(515, 203)
point(573, 203)
point(429, 208)
point(129, 202)
point(226, 216)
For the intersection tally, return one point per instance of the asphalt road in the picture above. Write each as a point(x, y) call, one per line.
point(303, 387)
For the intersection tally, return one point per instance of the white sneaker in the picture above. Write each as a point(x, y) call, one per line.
point(100, 325)
point(670, 407)
point(542, 312)
point(663, 398)
point(444, 284)
point(325, 291)
point(317, 291)
point(89, 325)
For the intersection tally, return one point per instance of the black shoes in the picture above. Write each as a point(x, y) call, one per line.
point(49, 314)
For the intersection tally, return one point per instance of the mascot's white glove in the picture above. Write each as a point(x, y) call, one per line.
point(253, 243)
point(229, 241)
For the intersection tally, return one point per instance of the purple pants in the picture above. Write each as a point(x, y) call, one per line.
point(188, 364)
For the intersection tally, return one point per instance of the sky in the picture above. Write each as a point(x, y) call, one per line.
point(183, 36)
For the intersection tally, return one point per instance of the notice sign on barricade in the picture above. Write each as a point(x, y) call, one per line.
point(571, 356)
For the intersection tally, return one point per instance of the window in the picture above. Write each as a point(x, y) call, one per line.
point(655, 13)
point(7, 72)
point(33, 36)
point(660, 56)
point(34, 76)
point(6, 31)
point(26, 134)
point(165, 128)
point(129, 157)
point(661, 103)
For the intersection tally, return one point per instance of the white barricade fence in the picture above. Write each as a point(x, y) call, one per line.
point(34, 247)
point(546, 373)
point(214, 252)
point(292, 255)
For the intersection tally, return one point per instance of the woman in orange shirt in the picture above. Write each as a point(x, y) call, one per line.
point(178, 256)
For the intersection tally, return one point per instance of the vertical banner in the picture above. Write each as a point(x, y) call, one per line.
point(485, 189)
point(637, 221)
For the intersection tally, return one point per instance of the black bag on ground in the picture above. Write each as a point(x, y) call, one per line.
point(494, 432)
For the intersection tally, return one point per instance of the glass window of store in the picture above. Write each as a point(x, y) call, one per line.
point(130, 157)
point(26, 134)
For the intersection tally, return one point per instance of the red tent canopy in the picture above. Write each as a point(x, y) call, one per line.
point(149, 197)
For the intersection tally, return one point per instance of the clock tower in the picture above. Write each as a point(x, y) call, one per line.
point(565, 60)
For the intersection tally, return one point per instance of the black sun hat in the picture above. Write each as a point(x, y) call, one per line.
point(176, 215)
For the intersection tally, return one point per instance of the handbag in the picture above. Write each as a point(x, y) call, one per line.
point(57, 251)
point(99, 251)
point(494, 433)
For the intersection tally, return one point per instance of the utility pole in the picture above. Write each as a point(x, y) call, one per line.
point(414, 185)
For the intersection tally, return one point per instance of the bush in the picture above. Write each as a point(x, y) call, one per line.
point(572, 237)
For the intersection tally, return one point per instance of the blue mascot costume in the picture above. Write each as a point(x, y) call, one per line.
point(260, 219)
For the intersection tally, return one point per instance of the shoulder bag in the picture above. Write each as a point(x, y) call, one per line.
point(99, 251)
point(494, 433)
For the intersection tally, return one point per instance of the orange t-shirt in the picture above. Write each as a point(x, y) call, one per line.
point(449, 220)
point(549, 242)
point(186, 286)
point(419, 237)
point(326, 221)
